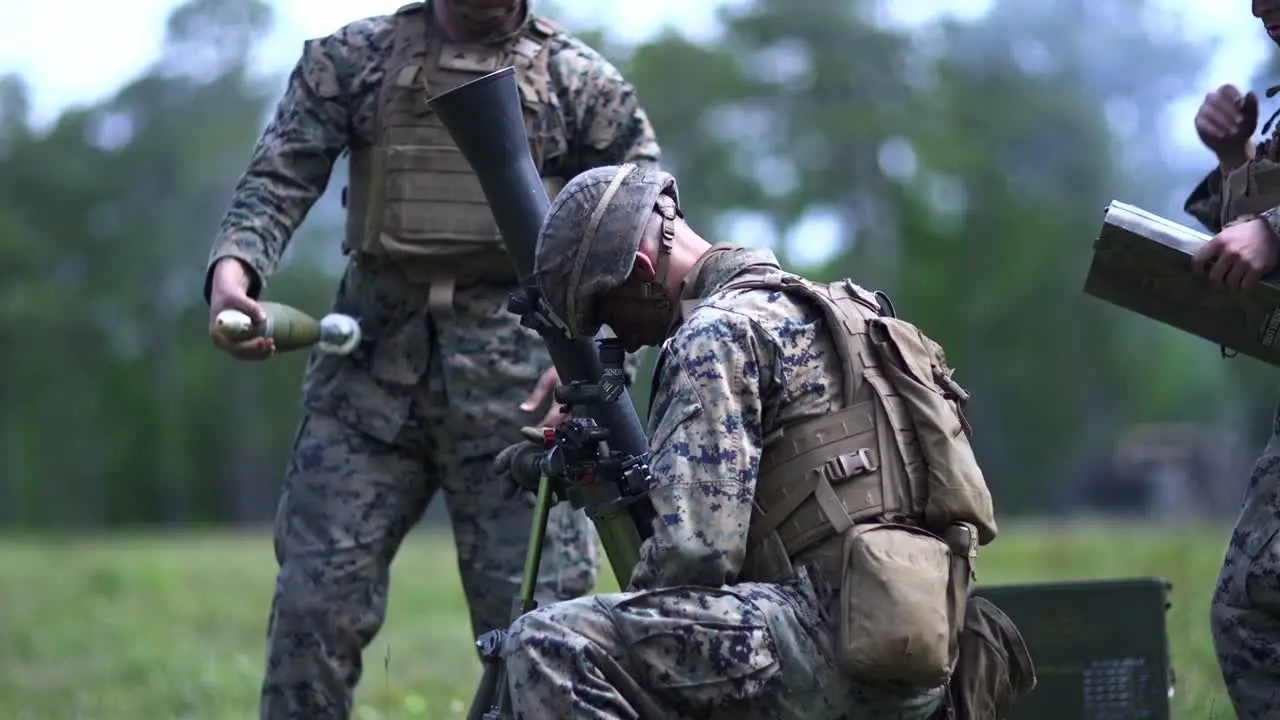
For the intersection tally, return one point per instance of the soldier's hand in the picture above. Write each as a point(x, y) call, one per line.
point(1225, 123)
point(545, 388)
point(1240, 255)
point(229, 291)
point(513, 467)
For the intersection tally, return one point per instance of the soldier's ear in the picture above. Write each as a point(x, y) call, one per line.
point(643, 268)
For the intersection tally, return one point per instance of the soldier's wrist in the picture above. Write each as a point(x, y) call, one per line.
point(1229, 163)
point(1272, 218)
point(1231, 160)
point(252, 281)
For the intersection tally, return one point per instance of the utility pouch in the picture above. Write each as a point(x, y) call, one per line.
point(902, 603)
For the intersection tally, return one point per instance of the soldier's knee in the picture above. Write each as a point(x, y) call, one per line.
point(524, 627)
point(1218, 612)
point(568, 578)
point(531, 631)
point(326, 598)
point(575, 561)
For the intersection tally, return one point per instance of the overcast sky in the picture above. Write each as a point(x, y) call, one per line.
point(115, 40)
point(98, 46)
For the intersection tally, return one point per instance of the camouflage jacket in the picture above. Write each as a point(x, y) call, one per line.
point(327, 107)
point(741, 365)
point(1205, 201)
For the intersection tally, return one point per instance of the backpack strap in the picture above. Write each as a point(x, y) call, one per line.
point(843, 320)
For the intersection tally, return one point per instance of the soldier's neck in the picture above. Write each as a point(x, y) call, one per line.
point(458, 31)
point(685, 255)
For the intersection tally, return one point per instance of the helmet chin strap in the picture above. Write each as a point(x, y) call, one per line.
point(656, 289)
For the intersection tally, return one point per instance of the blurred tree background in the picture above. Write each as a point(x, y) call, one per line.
point(961, 166)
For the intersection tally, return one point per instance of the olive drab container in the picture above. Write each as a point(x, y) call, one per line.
point(1100, 647)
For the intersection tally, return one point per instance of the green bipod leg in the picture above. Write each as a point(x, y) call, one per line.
point(493, 700)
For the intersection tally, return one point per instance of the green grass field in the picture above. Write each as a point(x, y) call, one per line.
point(172, 626)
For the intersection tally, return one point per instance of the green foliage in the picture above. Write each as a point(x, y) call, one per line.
point(174, 626)
point(964, 177)
point(967, 182)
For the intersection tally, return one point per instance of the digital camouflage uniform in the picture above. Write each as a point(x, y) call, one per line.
point(688, 638)
point(433, 394)
point(1245, 614)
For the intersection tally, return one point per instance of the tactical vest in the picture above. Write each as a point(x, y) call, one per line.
point(897, 450)
point(1253, 187)
point(882, 499)
point(413, 198)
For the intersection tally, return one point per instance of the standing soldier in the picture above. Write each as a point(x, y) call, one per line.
point(1240, 202)
point(443, 382)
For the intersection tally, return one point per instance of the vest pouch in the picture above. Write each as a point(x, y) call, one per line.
point(413, 197)
point(1250, 189)
point(994, 667)
point(918, 377)
point(898, 617)
point(1266, 180)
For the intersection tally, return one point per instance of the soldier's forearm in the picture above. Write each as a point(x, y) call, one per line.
point(1230, 163)
point(1272, 219)
point(289, 169)
point(256, 230)
point(245, 250)
point(1205, 201)
point(607, 124)
point(271, 200)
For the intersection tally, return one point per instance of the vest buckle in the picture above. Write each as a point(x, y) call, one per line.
point(849, 465)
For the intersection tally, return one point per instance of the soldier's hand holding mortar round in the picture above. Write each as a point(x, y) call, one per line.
point(229, 291)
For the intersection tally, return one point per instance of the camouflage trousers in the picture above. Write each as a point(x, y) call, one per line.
point(1245, 615)
point(749, 650)
point(349, 499)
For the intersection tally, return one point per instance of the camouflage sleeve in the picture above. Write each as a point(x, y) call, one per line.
point(1272, 219)
point(606, 124)
point(1205, 202)
point(706, 442)
point(290, 165)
